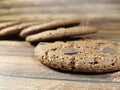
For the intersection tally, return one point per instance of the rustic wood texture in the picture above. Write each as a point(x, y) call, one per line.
point(104, 14)
point(19, 70)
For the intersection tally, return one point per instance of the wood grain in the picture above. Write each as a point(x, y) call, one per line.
point(19, 69)
point(100, 13)
point(17, 83)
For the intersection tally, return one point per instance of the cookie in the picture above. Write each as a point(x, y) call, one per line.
point(61, 33)
point(49, 25)
point(7, 24)
point(86, 55)
point(15, 29)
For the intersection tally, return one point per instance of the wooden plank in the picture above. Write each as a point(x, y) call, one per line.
point(18, 83)
point(62, 5)
point(53, 2)
point(81, 10)
point(106, 15)
point(77, 6)
point(89, 8)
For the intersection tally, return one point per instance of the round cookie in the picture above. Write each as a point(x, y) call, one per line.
point(87, 55)
point(7, 24)
point(49, 25)
point(15, 28)
point(61, 33)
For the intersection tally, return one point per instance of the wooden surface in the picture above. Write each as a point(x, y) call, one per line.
point(19, 70)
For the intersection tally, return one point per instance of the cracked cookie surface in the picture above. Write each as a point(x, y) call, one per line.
point(86, 55)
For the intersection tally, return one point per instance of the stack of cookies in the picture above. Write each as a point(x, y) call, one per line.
point(12, 28)
point(81, 55)
point(55, 30)
point(36, 32)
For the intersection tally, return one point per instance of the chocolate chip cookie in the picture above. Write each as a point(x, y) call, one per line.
point(86, 55)
point(61, 33)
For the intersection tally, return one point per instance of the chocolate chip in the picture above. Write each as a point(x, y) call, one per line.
point(69, 51)
point(109, 50)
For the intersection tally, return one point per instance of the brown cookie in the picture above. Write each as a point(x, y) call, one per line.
point(49, 25)
point(7, 24)
point(15, 29)
point(61, 33)
point(87, 55)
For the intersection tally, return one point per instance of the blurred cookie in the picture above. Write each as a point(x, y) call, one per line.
point(61, 33)
point(49, 25)
point(15, 29)
point(87, 55)
point(7, 24)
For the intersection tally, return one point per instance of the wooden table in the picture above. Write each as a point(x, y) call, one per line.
point(19, 70)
